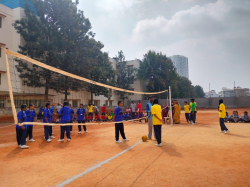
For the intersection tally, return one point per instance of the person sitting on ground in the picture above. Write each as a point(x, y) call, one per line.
point(112, 114)
point(136, 115)
point(227, 117)
point(110, 117)
point(245, 117)
point(89, 118)
point(97, 117)
point(234, 117)
point(127, 117)
point(103, 118)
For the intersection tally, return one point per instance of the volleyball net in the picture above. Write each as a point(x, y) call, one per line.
point(31, 88)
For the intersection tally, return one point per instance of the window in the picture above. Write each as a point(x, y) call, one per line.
point(0, 22)
point(109, 103)
point(132, 90)
point(97, 103)
point(1, 103)
point(74, 104)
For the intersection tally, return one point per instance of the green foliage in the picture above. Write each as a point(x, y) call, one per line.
point(125, 76)
point(199, 91)
point(158, 72)
point(59, 35)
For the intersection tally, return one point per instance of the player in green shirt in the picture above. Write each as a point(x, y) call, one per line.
point(192, 114)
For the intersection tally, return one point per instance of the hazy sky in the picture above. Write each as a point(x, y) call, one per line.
point(213, 34)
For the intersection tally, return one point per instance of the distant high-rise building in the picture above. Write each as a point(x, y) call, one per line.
point(181, 64)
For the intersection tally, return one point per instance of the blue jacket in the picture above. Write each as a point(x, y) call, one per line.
point(40, 110)
point(80, 112)
point(118, 112)
point(21, 116)
point(51, 109)
point(31, 114)
point(46, 113)
point(71, 113)
point(65, 114)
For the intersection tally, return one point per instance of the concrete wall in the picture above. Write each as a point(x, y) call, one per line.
point(230, 102)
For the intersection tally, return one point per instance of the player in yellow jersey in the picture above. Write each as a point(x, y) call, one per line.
point(222, 114)
point(187, 109)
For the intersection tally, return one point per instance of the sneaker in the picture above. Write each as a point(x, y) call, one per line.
point(118, 141)
point(227, 121)
point(52, 137)
point(125, 140)
point(24, 146)
point(60, 140)
point(32, 140)
point(193, 123)
point(70, 132)
point(140, 122)
point(68, 140)
point(86, 131)
point(79, 132)
point(227, 131)
point(149, 138)
point(48, 140)
point(222, 131)
point(158, 145)
point(26, 139)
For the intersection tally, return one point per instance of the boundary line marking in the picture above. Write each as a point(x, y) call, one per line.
point(101, 163)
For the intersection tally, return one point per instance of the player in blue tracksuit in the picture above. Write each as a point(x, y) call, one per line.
point(21, 131)
point(65, 118)
point(47, 119)
point(71, 117)
point(31, 117)
point(51, 112)
point(80, 114)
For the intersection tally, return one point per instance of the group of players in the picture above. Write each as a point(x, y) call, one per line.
point(65, 116)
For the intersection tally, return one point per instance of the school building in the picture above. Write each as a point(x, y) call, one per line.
point(11, 10)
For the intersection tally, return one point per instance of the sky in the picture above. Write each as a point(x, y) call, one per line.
point(213, 34)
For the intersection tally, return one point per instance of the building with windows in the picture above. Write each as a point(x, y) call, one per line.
point(212, 93)
point(181, 64)
point(226, 92)
point(11, 10)
point(240, 92)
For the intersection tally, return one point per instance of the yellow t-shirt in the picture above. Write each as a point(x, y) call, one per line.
point(223, 110)
point(156, 110)
point(90, 108)
point(195, 105)
point(186, 108)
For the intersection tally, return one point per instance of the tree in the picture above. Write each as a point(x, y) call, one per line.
point(58, 35)
point(199, 91)
point(125, 76)
point(102, 72)
point(158, 72)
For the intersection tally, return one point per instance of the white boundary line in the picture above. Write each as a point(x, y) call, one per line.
point(6, 126)
point(100, 164)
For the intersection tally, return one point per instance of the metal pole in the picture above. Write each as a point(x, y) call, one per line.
point(170, 105)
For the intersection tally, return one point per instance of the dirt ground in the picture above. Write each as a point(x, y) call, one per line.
point(191, 155)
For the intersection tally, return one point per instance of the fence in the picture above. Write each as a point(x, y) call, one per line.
point(230, 102)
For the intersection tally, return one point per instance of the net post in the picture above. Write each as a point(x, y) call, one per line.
point(10, 88)
point(170, 102)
